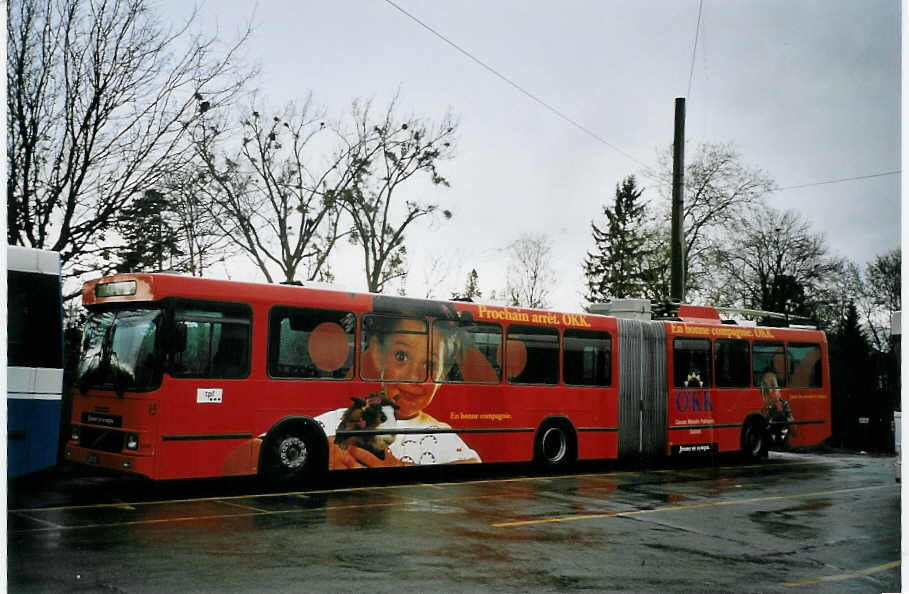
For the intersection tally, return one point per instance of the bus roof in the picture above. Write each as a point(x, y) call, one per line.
point(143, 287)
point(26, 259)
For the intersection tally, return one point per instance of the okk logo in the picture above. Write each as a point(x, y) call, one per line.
point(693, 401)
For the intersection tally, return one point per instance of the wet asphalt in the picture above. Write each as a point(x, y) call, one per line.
point(795, 523)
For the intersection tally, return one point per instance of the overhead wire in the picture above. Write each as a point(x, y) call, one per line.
point(840, 180)
point(649, 171)
point(697, 34)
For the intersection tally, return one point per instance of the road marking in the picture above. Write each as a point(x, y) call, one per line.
point(540, 479)
point(844, 576)
point(241, 506)
point(254, 512)
point(668, 508)
point(38, 520)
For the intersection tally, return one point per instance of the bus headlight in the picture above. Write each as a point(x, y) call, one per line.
point(74, 433)
point(132, 441)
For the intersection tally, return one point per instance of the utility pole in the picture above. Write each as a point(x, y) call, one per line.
point(677, 289)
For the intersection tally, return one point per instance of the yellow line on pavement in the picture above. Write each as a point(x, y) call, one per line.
point(253, 512)
point(844, 576)
point(241, 506)
point(668, 508)
point(540, 479)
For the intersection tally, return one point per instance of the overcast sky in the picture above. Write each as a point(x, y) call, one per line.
point(808, 91)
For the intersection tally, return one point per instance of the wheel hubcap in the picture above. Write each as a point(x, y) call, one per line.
point(292, 452)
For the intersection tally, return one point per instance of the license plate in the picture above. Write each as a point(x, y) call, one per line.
point(92, 459)
point(104, 420)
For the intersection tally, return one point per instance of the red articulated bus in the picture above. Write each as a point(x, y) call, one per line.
point(185, 377)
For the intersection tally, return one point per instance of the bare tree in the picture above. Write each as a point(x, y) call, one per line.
point(201, 239)
point(772, 261)
point(436, 270)
point(382, 156)
point(276, 199)
point(530, 276)
point(719, 189)
point(882, 296)
point(99, 98)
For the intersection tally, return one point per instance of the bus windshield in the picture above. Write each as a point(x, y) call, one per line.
point(118, 351)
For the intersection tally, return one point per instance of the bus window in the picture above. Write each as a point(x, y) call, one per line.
point(732, 363)
point(394, 348)
point(805, 369)
point(33, 324)
point(587, 358)
point(768, 364)
point(532, 355)
point(308, 343)
point(212, 341)
point(691, 363)
point(118, 350)
point(467, 352)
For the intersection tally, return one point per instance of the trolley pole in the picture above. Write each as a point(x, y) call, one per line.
point(677, 289)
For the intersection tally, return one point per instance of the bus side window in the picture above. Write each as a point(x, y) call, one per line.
point(732, 363)
point(532, 355)
point(211, 341)
point(467, 352)
point(768, 365)
point(587, 358)
point(309, 343)
point(691, 363)
point(805, 365)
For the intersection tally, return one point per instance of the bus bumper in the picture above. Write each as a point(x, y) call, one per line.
point(132, 463)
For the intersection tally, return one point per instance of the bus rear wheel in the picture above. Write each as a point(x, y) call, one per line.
point(754, 440)
point(555, 447)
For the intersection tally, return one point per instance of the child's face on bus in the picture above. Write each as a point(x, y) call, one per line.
point(403, 356)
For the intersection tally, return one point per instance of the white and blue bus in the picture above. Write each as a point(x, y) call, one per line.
point(34, 359)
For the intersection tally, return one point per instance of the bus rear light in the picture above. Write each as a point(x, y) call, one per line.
point(127, 464)
point(132, 441)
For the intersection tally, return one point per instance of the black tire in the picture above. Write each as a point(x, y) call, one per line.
point(291, 455)
point(754, 440)
point(555, 447)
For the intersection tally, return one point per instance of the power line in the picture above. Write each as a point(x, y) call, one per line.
point(650, 171)
point(697, 34)
point(521, 89)
point(840, 180)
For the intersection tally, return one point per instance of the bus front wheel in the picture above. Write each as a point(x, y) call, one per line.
point(290, 456)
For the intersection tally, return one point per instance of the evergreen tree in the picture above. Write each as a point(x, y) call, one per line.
point(151, 240)
point(471, 289)
point(616, 267)
point(851, 377)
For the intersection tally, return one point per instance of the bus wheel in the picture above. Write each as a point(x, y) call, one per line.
point(754, 440)
point(555, 447)
point(290, 456)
